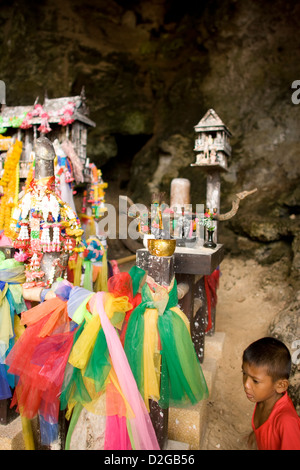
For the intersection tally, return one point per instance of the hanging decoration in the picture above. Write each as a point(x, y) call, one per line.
point(93, 204)
point(43, 223)
point(89, 269)
point(30, 175)
point(69, 150)
point(10, 187)
point(5, 142)
point(96, 194)
point(65, 115)
point(11, 305)
point(64, 179)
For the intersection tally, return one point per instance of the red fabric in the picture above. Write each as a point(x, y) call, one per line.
point(211, 284)
point(281, 431)
point(121, 285)
point(39, 359)
point(135, 301)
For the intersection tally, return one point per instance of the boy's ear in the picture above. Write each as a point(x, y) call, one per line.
point(282, 385)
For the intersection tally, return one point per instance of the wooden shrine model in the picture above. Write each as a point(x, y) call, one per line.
point(212, 142)
point(59, 118)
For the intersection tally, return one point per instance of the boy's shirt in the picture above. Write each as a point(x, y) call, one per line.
point(281, 431)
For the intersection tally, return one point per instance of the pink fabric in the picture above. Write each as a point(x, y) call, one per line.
point(142, 431)
point(4, 240)
point(116, 435)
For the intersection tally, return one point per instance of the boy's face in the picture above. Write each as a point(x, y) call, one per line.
point(258, 385)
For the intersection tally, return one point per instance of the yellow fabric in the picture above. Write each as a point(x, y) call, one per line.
point(83, 347)
point(182, 316)
point(101, 281)
point(27, 433)
point(19, 329)
point(151, 352)
point(152, 357)
point(6, 327)
point(116, 304)
point(75, 266)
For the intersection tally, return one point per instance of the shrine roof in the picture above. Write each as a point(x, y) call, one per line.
point(12, 116)
point(211, 122)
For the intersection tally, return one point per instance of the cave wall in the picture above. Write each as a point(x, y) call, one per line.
point(151, 69)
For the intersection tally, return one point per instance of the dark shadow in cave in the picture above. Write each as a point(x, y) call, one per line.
point(117, 170)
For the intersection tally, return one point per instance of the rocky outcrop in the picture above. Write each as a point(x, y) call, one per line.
point(286, 327)
point(151, 70)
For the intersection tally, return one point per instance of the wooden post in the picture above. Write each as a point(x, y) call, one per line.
point(213, 195)
point(193, 304)
point(200, 318)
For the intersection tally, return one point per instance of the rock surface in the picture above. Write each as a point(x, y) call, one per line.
point(151, 70)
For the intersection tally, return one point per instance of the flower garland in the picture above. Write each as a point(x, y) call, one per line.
point(5, 142)
point(25, 121)
point(2, 129)
point(10, 185)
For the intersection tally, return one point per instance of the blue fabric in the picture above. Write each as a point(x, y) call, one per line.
point(49, 431)
point(43, 294)
point(5, 391)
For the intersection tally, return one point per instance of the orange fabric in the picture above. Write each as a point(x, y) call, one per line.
point(59, 318)
point(33, 315)
point(96, 270)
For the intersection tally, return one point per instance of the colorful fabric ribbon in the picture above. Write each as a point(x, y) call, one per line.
point(11, 305)
point(161, 353)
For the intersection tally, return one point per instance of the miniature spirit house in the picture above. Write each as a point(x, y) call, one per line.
point(212, 142)
point(213, 148)
point(59, 118)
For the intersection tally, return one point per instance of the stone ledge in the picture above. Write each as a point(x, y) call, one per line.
point(11, 437)
point(176, 445)
point(214, 345)
point(188, 425)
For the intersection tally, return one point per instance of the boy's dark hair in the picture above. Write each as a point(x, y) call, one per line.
point(270, 353)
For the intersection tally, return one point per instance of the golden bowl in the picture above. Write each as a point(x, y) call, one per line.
point(159, 247)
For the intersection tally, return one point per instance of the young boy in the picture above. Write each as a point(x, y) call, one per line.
point(266, 369)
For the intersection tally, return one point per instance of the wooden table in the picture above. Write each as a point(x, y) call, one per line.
point(190, 265)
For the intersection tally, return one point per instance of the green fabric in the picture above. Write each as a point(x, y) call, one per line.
point(74, 418)
point(137, 275)
point(82, 311)
point(88, 275)
point(182, 379)
point(99, 366)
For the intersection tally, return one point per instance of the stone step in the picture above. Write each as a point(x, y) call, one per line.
point(188, 425)
point(11, 436)
point(176, 445)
